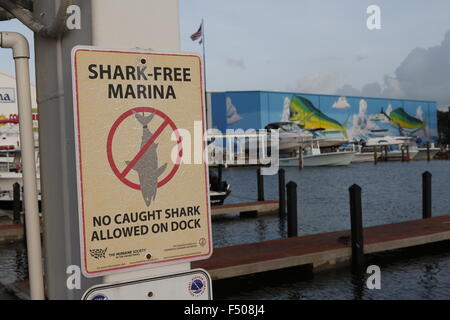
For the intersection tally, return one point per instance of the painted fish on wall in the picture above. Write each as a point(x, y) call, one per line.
point(400, 118)
point(304, 113)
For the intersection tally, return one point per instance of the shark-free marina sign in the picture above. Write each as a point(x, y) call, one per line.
point(140, 205)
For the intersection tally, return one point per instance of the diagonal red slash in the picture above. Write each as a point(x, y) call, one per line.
point(144, 148)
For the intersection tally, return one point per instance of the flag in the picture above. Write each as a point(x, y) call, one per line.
point(198, 34)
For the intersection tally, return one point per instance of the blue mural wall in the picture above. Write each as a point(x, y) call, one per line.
point(355, 118)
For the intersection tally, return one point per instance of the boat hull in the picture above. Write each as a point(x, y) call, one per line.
point(363, 157)
point(422, 154)
point(331, 159)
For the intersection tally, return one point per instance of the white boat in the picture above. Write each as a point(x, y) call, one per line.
point(291, 136)
point(423, 153)
point(363, 157)
point(313, 157)
point(366, 153)
point(330, 138)
point(10, 173)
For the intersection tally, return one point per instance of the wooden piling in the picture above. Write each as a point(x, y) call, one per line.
point(292, 209)
point(426, 195)
point(357, 238)
point(281, 191)
point(403, 153)
point(260, 183)
point(375, 155)
point(16, 203)
point(408, 158)
point(428, 152)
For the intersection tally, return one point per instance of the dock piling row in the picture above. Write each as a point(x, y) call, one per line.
point(357, 238)
point(16, 203)
point(260, 182)
point(426, 195)
point(281, 192)
point(292, 209)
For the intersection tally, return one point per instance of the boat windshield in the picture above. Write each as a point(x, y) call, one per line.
point(290, 127)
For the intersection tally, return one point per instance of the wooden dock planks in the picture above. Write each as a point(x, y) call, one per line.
point(320, 249)
point(261, 207)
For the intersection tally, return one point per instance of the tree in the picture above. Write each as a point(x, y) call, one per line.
point(444, 126)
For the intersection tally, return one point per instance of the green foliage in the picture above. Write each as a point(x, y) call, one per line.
point(444, 126)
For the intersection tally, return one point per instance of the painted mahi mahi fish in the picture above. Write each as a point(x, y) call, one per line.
point(403, 120)
point(303, 112)
point(147, 166)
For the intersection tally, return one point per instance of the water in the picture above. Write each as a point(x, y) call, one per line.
point(391, 192)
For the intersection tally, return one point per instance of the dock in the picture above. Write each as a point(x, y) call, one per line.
point(321, 250)
point(11, 232)
point(256, 207)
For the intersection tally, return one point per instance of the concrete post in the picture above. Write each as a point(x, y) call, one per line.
point(105, 23)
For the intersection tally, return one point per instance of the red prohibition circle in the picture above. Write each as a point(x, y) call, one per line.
point(166, 122)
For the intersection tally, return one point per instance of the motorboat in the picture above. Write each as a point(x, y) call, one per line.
point(314, 157)
point(291, 136)
point(329, 138)
point(11, 173)
point(395, 145)
point(423, 152)
point(218, 190)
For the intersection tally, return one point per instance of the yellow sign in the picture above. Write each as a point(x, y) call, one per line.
point(140, 204)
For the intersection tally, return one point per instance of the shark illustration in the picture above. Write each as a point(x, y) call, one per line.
point(311, 118)
point(147, 166)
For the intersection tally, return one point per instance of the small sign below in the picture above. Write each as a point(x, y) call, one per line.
point(190, 285)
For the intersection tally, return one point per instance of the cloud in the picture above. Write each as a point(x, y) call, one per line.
point(236, 63)
point(348, 90)
point(361, 57)
point(369, 90)
point(419, 113)
point(319, 82)
point(423, 75)
point(341, 103)
point(286, 110)
point(232, 113)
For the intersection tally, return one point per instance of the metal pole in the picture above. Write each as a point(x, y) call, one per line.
point(260, 182)
point(292, 209)
point(281, 192)
point(426, 195)
point(356, 229)
point(21, 54)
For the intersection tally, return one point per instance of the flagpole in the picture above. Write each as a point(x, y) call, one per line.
point(204, 69)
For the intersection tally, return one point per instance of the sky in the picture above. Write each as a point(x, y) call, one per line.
point(316, 46)
point(6, 59)
point(321, 46)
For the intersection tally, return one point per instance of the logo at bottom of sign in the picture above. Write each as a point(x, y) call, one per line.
point(192, 284)
point(197, 286)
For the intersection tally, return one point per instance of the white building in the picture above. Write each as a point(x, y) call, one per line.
point(9, 128)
